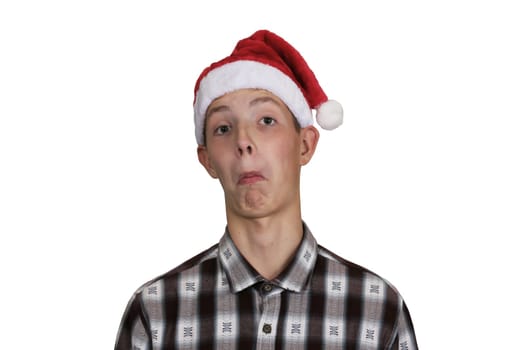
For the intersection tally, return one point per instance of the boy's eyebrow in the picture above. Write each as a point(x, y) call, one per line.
point(221, 108)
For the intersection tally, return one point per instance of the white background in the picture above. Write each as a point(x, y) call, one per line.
point(100, 188)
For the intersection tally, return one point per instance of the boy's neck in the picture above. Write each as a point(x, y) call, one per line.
point(269, 243)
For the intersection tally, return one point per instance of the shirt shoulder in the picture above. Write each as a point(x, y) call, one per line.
point(363, 287)
point(383, 314)
point(187, 266)
point(356, 271)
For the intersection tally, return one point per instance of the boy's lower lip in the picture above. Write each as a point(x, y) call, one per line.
point(250, 179)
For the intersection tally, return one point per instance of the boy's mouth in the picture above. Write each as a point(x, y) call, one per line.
point(250, 177)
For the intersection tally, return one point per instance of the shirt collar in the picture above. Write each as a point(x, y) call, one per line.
point(242, 275)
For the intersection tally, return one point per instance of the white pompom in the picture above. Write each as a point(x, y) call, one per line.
point(329, 115)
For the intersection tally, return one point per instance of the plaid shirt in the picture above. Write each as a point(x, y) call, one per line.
point(216, 300)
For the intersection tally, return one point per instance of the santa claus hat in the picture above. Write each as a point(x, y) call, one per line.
point(266, 61)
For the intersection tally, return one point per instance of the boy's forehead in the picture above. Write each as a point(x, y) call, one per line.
point(254, 93)
point(254, 97)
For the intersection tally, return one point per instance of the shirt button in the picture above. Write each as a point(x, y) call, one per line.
point(267, 328)
point(267, 288)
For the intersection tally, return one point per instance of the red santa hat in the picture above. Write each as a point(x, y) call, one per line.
point(266, 61)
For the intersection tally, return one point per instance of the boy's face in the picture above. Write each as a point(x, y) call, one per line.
point(254, 148)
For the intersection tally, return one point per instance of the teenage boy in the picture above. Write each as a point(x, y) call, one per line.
point(267, 284)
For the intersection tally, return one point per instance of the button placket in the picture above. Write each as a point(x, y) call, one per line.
point(271, 304)
point(267, 328)
point(267, 288)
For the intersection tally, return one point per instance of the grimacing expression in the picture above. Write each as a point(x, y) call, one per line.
point(254, 148)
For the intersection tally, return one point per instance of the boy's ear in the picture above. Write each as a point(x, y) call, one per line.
point(309, 138)
point(202, 154)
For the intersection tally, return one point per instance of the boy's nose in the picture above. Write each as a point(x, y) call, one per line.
point(247, 150)
point(245, 145)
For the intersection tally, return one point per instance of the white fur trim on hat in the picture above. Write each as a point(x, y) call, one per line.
point(245, 74)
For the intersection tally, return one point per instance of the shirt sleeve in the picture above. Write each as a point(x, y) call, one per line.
point(404, 337)
point(133, 331)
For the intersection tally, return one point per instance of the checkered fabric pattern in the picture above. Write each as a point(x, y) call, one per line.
point(216, 300)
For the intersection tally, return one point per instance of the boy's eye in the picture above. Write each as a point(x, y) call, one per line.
point(222, 130)
point(267, 121)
